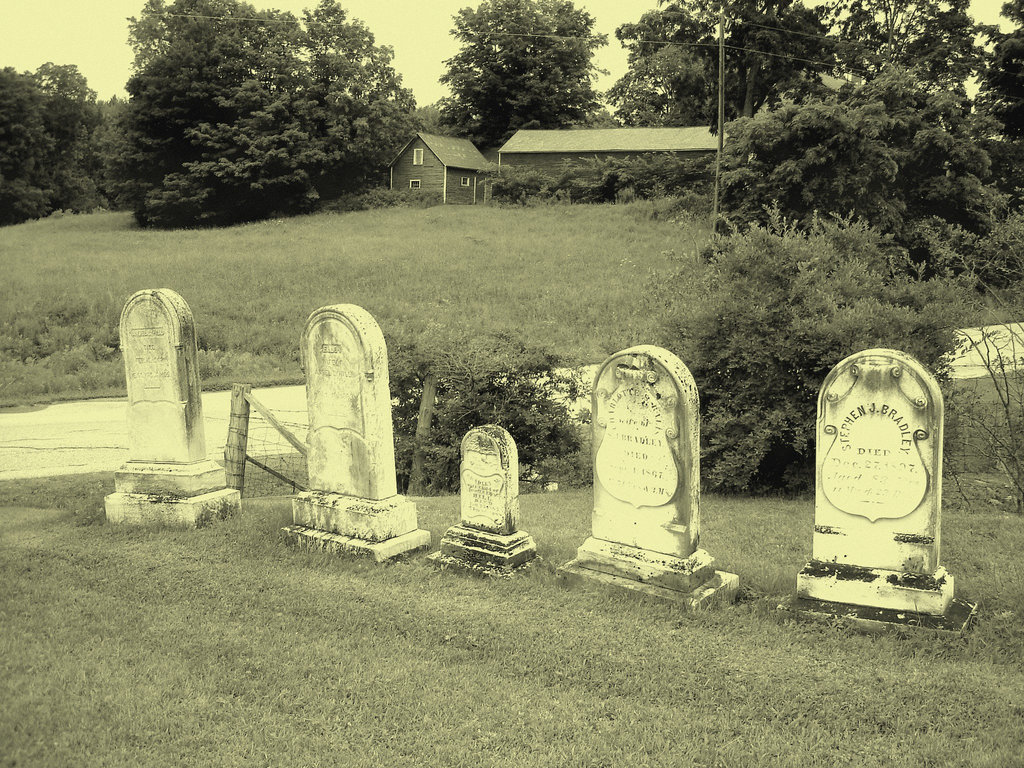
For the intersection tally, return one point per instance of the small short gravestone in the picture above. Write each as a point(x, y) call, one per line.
point(353, 503)
point(878, 499)
point(646, 520)
point(487, 537)
point(168, 477)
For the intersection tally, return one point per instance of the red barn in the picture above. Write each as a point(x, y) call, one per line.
point(448, 166)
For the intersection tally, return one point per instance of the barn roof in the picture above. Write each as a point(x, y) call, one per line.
point(453, 152)
point(693, 138)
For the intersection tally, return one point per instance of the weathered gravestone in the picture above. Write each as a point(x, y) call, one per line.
point(878, 498)
point(489, 489)
point(353, 504)
point(168, 477)
point(646, 520)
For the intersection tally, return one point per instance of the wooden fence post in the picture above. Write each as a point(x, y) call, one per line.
point(416, 479)
point(238, 437)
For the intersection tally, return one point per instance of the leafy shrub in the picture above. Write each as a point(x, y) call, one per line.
point(382, 197)
point(998, 258)
point(620, 180)
point(483, 380)
point(888, 152)
point(519, 185)
point(773, 310)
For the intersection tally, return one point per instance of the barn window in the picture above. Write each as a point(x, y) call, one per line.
point(414, 183)
point(465, 181)
point(417, 157)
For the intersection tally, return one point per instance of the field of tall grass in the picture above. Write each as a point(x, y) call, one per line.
point(570, 280)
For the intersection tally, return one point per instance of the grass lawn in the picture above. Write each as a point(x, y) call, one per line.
point(224, 647)
point(568, 279)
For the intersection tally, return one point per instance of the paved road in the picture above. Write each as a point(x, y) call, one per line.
point(92, 435)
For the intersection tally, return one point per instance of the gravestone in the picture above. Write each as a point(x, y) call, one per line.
point(646, 518)
point(353, 503)
point(878, 498)
point(487, 536)
point(168, 477)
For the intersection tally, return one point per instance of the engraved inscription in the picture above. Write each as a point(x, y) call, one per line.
point(873, 467)
point(635, 462)
point(483, 500)
point(335, 377)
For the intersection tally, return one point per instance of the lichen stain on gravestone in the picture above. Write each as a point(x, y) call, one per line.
point(635, 461)
point(875, 420)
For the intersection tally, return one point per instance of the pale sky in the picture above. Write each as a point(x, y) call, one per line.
point(93, 34)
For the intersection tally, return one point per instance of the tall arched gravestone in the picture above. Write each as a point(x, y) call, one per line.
point(489, 491)
point(353, 502)
point(878, 497)
point(646, 520)
point(168, 477)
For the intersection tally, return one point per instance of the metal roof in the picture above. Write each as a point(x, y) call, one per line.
point(453, 152)
point(692, 138)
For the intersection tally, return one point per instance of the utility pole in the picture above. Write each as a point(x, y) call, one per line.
point(721, 109)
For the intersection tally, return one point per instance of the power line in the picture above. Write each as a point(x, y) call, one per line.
point(563, 37)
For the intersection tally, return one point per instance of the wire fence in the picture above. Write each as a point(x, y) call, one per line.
point(273, 466)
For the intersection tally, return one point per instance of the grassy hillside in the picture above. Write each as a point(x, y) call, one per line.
point(569, 279)
point(224, 647)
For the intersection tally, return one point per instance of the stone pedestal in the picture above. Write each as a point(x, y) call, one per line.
point(692, 581)
point(471, 547)
point(380, 528)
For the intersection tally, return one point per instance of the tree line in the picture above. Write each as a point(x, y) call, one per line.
point(853, 107)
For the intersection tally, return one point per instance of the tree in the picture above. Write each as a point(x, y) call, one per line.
point(71, 117)
point(358, 112)
point(1002, 87)
point(772, 46)
point(889, 153)
point(933, 40)
point(523, 64)
point(47, 120)
point(237, 114)
point(24, 147)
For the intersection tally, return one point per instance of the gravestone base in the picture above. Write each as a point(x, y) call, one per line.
point(190, 511)
point(876, 587)
point(472, 547)
point(191, 479)
point(680, 574)
point(721, 588)
point(370, 520)
point(957, 619)
point(315, 539)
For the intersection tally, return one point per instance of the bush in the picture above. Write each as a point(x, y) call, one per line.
point(774, 310)
point(518, 186)
point(886, 152)
point(382, 197)
point(483, 380)
point(619, 180)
